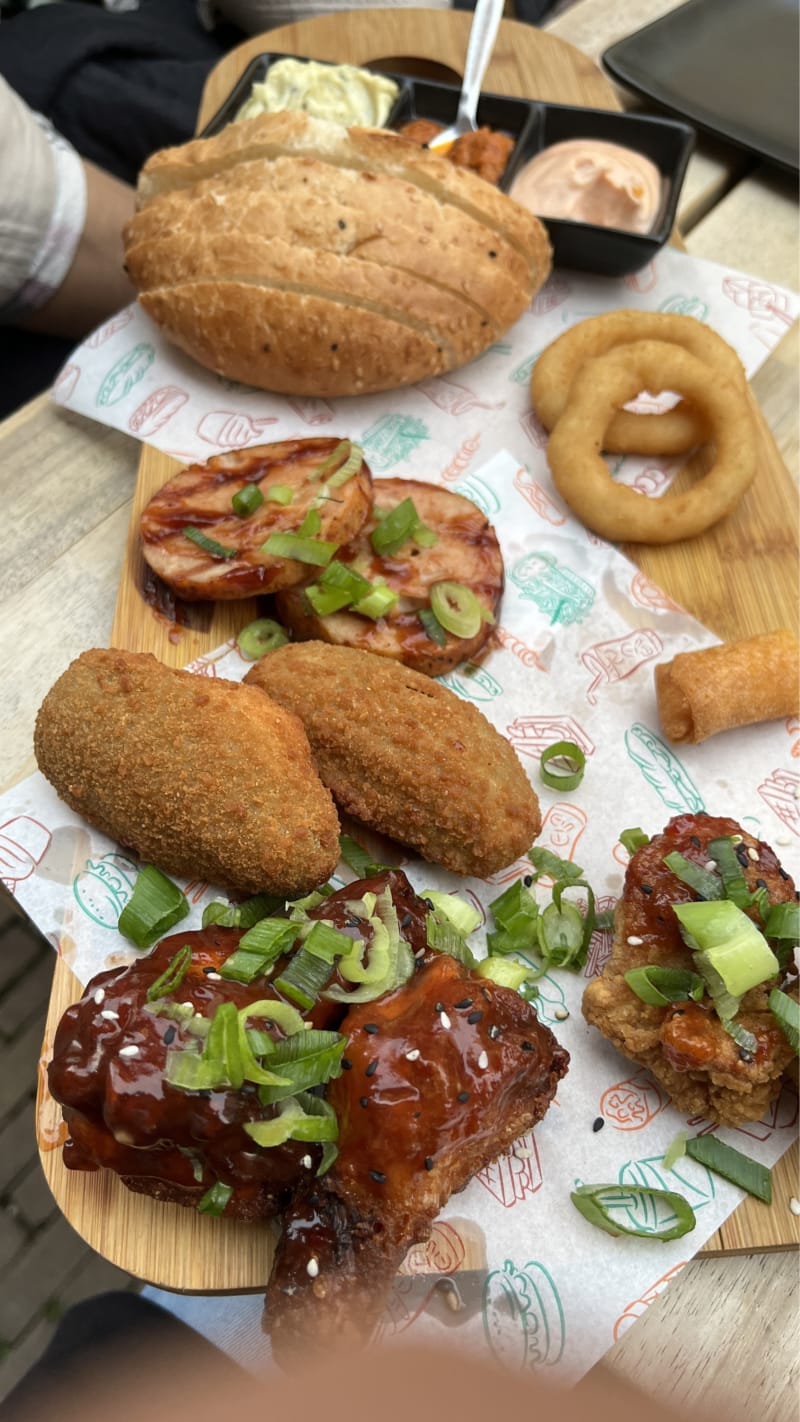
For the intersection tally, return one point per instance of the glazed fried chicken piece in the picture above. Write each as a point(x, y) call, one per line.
point(440, 1077)
point(685, 1045)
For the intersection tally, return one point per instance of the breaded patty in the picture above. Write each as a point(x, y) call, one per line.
point(202, 777)
point(685, 1045)
point(406, 756)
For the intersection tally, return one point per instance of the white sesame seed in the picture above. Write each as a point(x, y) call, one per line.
point(752, 854)
point(109, 1015)
point(214, 977)
point(99, 996)
point(561, 1014)
point(420, 953)
point(783, 840)
point(445, 1020)
point(306, 1162)
point(634, 941)
point(794, 1205)
point(710, 864)
point(483, 1061)
point(130, 1051)
point(312, 1268)
point(522, 1153)
point(187, 1006)
point(412, 1055)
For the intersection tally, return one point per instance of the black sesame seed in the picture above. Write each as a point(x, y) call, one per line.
point(378, 1176)
point(527, 1046)
point(783, 873)
point(429, 1162)
point(528, 880)
point(745, 1056)
point(417, 1115)
point(209, 970)
point(463, 1096)
point(598, 1123)
point(334, 345)
point(761, 883)
point(492, 254)
point(742, 855)
point(372, 1068)
point(475, 1017)
point(363, 1101)
point(371, 1027)
point(464, 1004)
point(494, 1032)
point(695, 841)
point(406, 920)
point(347, 1065)
point(169, 1036)
point(352, 922)
point(646, 888)
point(342, 224)
point(428, 904)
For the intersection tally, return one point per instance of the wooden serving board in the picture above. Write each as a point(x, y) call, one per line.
point(740, 578)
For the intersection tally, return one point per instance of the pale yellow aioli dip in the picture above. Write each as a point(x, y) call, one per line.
point(588, 180)
point(340, 93)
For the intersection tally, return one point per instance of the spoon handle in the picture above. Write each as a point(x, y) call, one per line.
point(482, 36)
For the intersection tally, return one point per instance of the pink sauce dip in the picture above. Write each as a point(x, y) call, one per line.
point(587, 180)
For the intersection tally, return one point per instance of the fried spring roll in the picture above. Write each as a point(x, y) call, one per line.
point(736, 684)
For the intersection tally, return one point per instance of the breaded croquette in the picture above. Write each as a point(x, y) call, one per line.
point(201, 776)
point(406, 756)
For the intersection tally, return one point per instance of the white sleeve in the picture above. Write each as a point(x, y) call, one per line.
point(42, 207)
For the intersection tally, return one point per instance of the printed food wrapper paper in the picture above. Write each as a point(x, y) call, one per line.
point(580, 631)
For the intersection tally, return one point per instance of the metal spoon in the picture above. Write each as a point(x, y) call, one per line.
point(482, 35)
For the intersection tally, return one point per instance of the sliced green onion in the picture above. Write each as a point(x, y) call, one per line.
point(676, 1150)
point(221, 914)
point(516, 910)
point(376, 603)
point(173, 975)
point(299, 1118)
point(155, 905)
point(299, 908)
point(280, 494)
point(304, 978)
point(424, 537)
point(260, 637)
point(324, 601)
point(247, 1043)
point(723, 852)
point(444, 938)
point(215, 1199)
point(783, 922)
point(457, 608)
point(571, 757)
point(311, 525)
point(329, 1154)
point(732, 1165)
point(659, 986)
point(596, 1202)
point(247, 500)
point(787, 1015)
point(549, 864)
point(259, 949)
point(208, 545)
point(387, 951)
point(358, 859)
point(351, 466)
point(394, 528)
point(432, 626)
point(464, 917)
point(338, 575)
point(502, 971)
point(326, 942)
point(280, 1013)
point(353, 968)
point(251, 911)
point(307, 1060)
point(304, 550)
point(633, 839)
point(727, 941)
point(704, 881)
point(747, 1041)
point(191, 1071)
point(340, 451)
point(604, 921)
point(559, 932)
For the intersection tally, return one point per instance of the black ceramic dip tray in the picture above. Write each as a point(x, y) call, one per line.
point(668, 143)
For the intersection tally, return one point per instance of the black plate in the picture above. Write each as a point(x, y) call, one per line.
point(534, 126)
point(731, 66)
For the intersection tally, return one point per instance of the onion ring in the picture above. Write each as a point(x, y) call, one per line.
point(580, 473)
point(673, 432)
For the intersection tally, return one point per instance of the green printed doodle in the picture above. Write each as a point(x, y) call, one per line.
point(472, 683)
point(480, 493)
point(522, 373)
point(551, 999)
point(558, 592)
point(125, 373)
point(103, 888)
point(392, 439)
point(523, 1320)
point(685, 306)
point(695, 1182)
point(662, 769)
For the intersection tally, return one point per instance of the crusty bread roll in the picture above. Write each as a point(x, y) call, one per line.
point(310, 259)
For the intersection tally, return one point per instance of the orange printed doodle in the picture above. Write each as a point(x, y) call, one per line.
point(635, 1310)
point(24, 842)
point(195, 890)
point(526, 654)
point(442, 1253)
point(157, 409)
point(644, 280)
point(551, 295)
point(312, 411)
point(781, 791)
point(455, 399)
point(462, 459)
point(538, 498)
point(619, 658)
point(516, 1174)
point(534, 429)
point(600, 941)
point(232, 430)
point(648, 594)
point(632, 1104)
point(530, 735)
point(562, 828)
point(104, 333)
point(652, 479)
point(64, 385)
point(793, 729)
point(510, 873)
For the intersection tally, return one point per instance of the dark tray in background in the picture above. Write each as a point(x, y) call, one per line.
point(534, 126)
point(730, 66)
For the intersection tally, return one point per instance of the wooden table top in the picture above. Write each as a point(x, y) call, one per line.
point(68, 486)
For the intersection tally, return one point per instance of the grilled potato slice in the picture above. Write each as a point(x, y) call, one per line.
point(200, 497)
point(466, 551)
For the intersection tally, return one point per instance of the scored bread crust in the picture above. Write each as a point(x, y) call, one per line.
point(306, 258)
